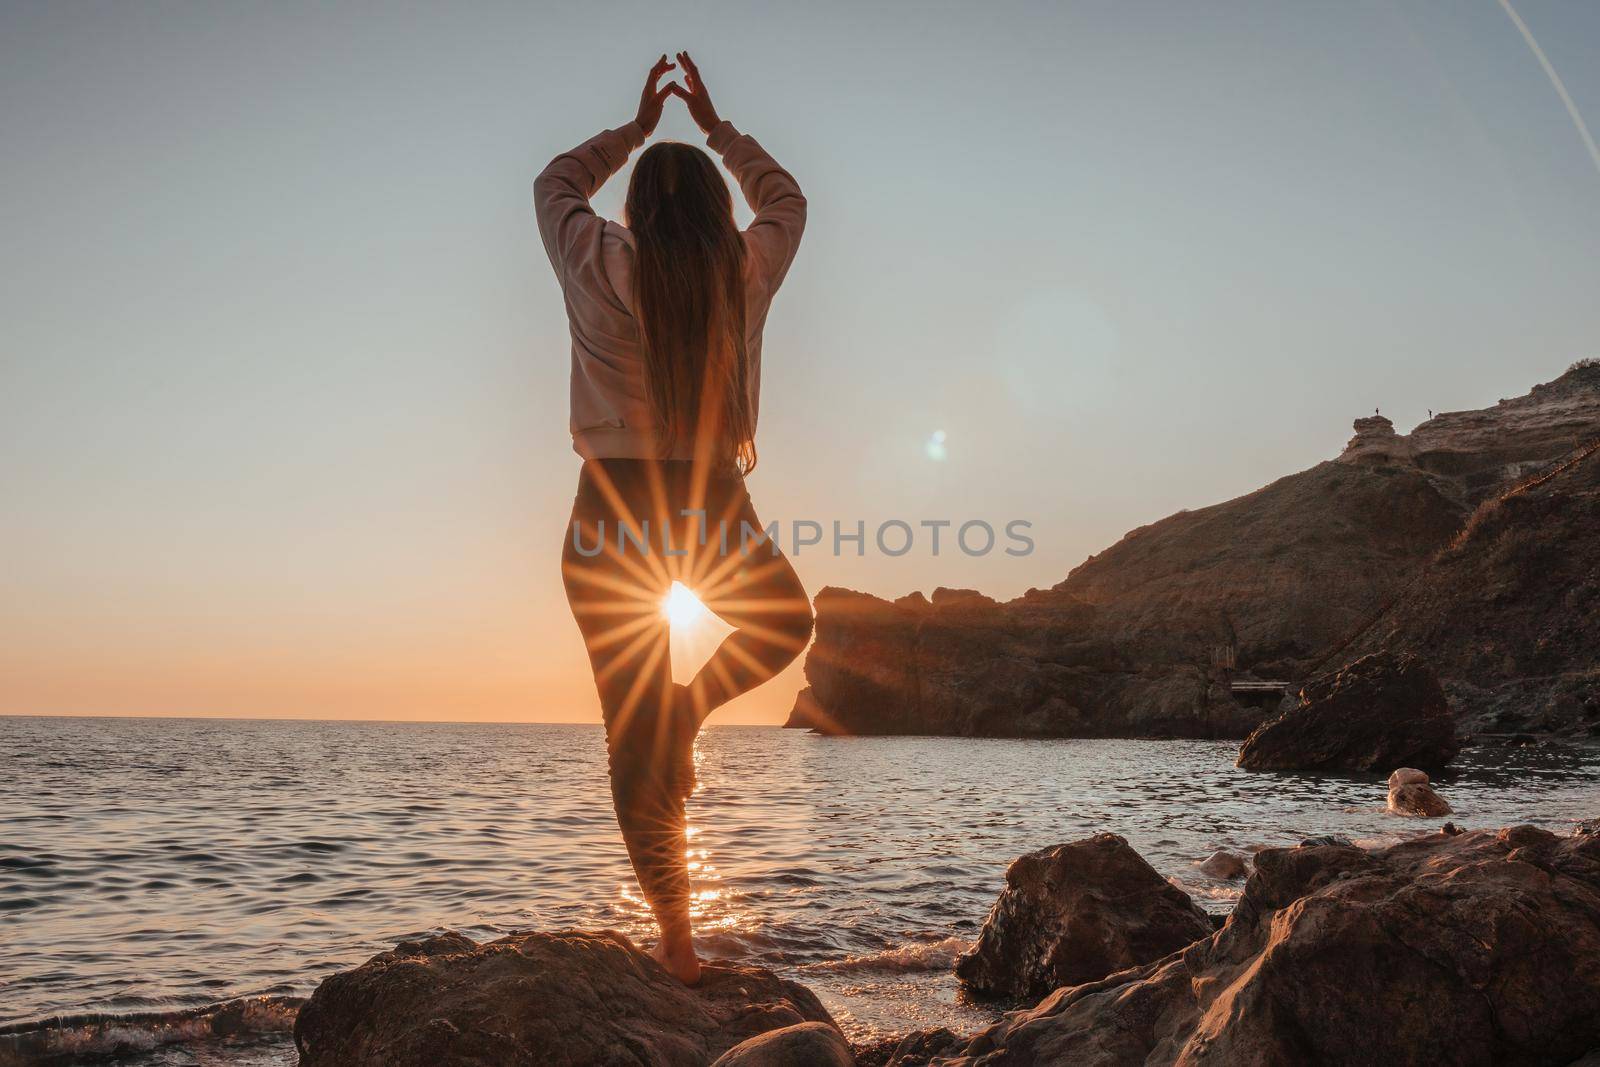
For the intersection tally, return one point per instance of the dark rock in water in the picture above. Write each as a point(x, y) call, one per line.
point(1322, 839)
point(917, 1047)
point(1478, 948)
point(1410, 794)
point(1075, 913)
point(570, 997)
point(1407, 776)
point(1419, 800)
point(801, 1045)
point(1383, 710)
point(1224, 865)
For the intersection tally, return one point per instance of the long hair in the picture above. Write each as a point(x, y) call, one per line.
point(688, 293)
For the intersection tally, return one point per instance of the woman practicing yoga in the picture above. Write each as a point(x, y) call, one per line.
point(666, 315)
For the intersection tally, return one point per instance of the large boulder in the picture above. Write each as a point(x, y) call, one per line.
point(1383, 710)
point(1075, 913)
point(532, 1000)
point(1476, 948)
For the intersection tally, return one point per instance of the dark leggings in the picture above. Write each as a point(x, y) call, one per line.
point(615, 588)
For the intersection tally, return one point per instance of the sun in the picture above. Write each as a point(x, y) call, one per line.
point(696, 631)
point(682, 608)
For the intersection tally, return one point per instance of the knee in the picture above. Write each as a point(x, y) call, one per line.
point(796, 624)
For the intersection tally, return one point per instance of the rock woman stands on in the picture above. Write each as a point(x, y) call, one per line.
point(666, 312)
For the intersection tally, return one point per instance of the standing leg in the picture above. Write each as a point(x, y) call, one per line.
point(649, 733)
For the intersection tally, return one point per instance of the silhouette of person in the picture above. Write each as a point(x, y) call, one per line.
point(666, 314)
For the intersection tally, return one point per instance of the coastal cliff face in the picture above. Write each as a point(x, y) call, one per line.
point(1479, 453)
point(1284, 577)
point(1509, 612)
point(964, 665)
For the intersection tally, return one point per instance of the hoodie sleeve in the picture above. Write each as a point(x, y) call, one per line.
point(772, 194)
point(562, 190)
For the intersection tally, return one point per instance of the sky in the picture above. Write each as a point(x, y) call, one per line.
point(283, 426)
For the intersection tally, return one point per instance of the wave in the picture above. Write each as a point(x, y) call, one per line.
point(1207, 892)
point(67, 1038)
point(918, 956)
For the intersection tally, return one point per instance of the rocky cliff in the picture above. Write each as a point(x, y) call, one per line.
point(1278, 579)
point(1508, 613)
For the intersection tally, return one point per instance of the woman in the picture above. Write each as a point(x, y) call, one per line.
point(666, 315)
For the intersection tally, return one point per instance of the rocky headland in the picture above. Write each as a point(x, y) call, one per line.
point(1472, 542)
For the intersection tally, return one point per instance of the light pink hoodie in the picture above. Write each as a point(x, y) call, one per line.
point(593, 258)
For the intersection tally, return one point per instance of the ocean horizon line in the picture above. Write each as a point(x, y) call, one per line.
point(375, 722)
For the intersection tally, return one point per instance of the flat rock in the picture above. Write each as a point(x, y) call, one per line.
point(539, 1000)
point(1075, 913)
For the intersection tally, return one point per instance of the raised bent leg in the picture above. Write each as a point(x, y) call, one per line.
point(759, 594)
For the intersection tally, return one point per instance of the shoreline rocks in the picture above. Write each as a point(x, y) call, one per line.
point(570, 997)
point(1454, 947)
point(1076, 913)
point(1383, 710)
point(1477, 947)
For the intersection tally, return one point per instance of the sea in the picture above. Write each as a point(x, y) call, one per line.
point(153, 869)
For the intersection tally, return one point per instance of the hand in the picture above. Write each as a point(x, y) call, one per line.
point(699, 101)
point(652, 99)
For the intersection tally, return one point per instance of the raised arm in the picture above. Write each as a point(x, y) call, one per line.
point(562, 190)
point(772, 194)
point(771, 191)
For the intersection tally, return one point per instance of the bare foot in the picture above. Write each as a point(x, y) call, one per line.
point(679, 960)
